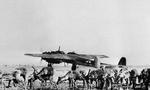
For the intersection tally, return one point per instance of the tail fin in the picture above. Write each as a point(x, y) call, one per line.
point(122, 61)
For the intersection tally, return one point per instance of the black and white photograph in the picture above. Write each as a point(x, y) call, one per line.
point(74, 45)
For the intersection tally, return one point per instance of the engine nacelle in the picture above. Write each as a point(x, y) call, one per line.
point(96, 62)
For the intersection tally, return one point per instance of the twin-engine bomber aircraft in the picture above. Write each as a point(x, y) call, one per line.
point(56, 57)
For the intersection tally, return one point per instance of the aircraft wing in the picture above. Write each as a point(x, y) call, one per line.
point(62, 56)
point(34, 55)
point(100, 56)
point(92, 56)
point(114, 66)
point(53, 56)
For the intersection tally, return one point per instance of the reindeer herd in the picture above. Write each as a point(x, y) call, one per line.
point(102, 79)
point(108, 79)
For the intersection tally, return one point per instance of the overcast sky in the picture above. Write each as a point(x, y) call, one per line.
point(115, 28)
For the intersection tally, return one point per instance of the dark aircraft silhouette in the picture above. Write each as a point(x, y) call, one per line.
point(56, 57)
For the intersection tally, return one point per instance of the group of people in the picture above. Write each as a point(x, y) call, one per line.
point(103, 77)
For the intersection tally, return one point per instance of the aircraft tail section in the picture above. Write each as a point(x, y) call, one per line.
point(122, 61)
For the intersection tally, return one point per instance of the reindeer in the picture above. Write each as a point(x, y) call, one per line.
point(45, 81)
point(17, 78)
point(72, 77)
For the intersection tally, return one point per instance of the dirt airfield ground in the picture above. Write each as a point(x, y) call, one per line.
point(59, 71)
